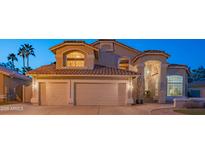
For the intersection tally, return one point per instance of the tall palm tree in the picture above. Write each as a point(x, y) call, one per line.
point(25, 51)
point(12, 58)
point(29, 52)
point(22, 53)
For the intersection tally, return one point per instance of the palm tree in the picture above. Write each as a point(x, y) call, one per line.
point(29, 52)
point(12, 58)
point(22, 53)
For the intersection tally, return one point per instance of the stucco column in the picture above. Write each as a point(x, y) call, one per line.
point(35, 92)
point(130, 91)
point(141, 90)
point(163, 84)
point(59, 61)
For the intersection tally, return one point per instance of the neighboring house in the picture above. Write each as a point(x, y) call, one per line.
point(197, 89)
point(11, 84)
point(107, 72)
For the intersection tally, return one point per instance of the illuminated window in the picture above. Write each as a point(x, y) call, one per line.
point(75, 59)
point(124, 63)
point(174, 85)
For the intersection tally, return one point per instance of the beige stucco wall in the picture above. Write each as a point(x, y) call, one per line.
point(12, 87)
point(89, 55)
point(111, 57)
point(202, 90)
point(1, 85)
point(124, 52)
point(27, 93)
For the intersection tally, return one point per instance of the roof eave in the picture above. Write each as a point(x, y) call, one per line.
point(64, 75)
point(54, 48)
point(145, 54)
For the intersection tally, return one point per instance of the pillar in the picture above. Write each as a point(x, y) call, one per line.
point(163, 83)
point(35, 92)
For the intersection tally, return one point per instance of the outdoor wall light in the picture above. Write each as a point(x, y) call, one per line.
point(147, 72)
point(130, 86)
point(35, 85)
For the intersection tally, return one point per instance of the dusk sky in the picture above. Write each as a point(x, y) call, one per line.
point(189, 52)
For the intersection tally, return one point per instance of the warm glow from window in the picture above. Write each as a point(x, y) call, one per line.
point(75, 59)
point(174, 85)
point(124, 63)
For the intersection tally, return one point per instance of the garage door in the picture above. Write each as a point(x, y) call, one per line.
point(54, 94)
point(100, 94)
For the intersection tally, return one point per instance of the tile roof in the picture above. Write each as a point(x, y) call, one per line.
point(13, 74)
point(98, 70)
point(180, 65)
point(155, 51)
point(150, 52)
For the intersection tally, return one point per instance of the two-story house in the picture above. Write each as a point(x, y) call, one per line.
point(106, 72)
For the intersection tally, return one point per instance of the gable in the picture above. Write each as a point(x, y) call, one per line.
point(116, 47)
point(67, 47)
point(71, 43)
point(125, 51)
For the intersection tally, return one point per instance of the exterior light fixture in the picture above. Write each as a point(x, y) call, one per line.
point(130, 86)
point(35, 85)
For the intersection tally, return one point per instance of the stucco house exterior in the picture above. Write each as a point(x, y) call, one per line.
point(197, 88)
point(107, 72)
point(11, 84)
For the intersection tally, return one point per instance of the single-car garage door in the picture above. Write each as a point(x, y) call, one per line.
point(54, 93)
point(100, 93)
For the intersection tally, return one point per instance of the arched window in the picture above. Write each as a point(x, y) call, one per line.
point(174, 85)
point(75, 59)
point(124, 63)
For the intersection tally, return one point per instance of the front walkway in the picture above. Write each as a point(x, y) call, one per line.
point(144, 109)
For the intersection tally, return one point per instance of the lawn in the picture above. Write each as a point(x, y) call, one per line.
point(191, 111)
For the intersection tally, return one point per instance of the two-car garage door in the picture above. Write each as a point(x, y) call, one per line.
point(100, 93)
point(83, 93)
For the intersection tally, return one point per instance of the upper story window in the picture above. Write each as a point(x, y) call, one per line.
point(75, 59)
point(124, 63)
point(174, 85)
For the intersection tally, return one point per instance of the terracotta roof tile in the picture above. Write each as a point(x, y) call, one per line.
point(13, 74)
point(182, 65)
point(97, 71)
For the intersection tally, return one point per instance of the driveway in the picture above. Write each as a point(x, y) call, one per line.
point(144, 109)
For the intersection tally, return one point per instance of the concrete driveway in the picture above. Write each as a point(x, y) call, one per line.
point(28, 109)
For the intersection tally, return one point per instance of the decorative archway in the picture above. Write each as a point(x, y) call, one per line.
point(152, 74)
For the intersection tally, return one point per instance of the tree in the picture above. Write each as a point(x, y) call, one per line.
point(22, 53)
point(9, 65)
point(198, 74)
point(12, 58)
point(26, 69)
point(29, 51)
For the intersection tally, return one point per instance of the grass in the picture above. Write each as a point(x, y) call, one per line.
point(191, 111)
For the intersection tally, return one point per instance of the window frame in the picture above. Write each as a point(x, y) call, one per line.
point(75, 59)
point(179, 84)
point(123, 59)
